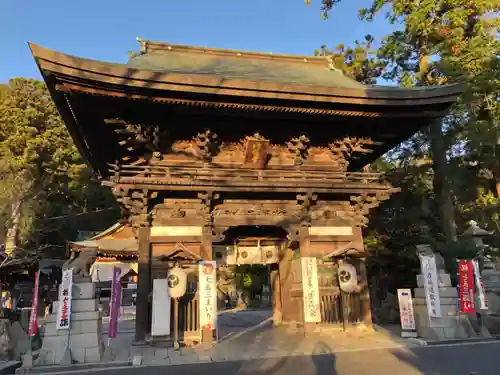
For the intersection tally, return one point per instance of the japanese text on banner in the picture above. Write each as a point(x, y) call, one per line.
point(310, 288)
point(208, 294)
point(431, 285)
point(65, 294)
point(466, 282)
point(406, 310)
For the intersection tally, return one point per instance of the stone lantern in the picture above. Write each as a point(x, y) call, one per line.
point(478, 234)
point(489, 269)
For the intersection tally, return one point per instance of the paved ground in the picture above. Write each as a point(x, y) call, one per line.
point(477, 359)
point(249, 345)
point(249, 334)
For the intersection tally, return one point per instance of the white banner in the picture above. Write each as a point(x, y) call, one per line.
point(483, 305)
point(208, 294)
point(310, 289)
point(431, 285)
point(160, 322)
point(406, 310)
point(64, 305)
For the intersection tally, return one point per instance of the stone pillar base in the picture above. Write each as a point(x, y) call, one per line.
point(85, 334)
point(208, 335)
point(450, 326)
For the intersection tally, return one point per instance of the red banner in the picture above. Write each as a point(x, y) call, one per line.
point(33, 324)
point(466, 282)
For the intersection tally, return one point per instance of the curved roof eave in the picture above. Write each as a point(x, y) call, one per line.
point(85, 70)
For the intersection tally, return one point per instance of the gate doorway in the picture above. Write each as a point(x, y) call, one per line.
point(246, 260)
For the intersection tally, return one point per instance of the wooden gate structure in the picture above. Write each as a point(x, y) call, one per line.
point(195, 142)
point(337, 307)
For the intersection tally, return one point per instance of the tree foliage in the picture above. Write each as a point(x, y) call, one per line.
point(448, 174)
point(41, 172)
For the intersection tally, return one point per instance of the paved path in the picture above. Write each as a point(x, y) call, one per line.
point(249, 334)
point(249, 345)
point(477, 359)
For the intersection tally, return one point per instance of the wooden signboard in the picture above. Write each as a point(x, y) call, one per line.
point(256, 153)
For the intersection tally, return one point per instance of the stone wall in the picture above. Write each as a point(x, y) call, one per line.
point(451, 325)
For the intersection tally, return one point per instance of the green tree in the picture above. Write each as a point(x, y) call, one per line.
point(41, 172)
point(447, 42)
point(449, 169)
point(359, 62)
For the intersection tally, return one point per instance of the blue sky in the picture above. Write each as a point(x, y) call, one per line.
point(106, 29)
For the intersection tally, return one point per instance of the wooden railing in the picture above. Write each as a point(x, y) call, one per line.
point(189, 318)
point(171, 175)
point(331, 309)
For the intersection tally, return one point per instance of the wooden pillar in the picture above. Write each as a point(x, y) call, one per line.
point(276, 295)
point(290, 306)
point(365, 294)
point(207, 334)
point(143, 285)
point(206, 244)
point(304, 251)
point(304, 242)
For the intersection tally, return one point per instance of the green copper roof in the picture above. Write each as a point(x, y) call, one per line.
point(231, 64)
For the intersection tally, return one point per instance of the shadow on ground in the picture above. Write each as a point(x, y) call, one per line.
point(466, 359)
point(249, 345)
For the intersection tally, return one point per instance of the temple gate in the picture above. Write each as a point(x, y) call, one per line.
point(212, 151)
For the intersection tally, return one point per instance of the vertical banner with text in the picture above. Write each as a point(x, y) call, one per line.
point(115, 302)
point(208, 294)
point(310, 289)
point(483, 304)
point(33, 325)
point(65, 293)
point(431, 285)
point(466, 282)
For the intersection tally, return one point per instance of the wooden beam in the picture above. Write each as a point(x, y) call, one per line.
point(425, 110)
point(161, 186)
point(175, 239)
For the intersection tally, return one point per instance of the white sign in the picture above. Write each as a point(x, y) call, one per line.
point(208, 294)
point(431, 285)
point(64, 305)
point(160, 322)
point(480, 287)
point(310, 289)
point(406, 310)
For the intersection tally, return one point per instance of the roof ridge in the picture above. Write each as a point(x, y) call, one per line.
point(147, 46)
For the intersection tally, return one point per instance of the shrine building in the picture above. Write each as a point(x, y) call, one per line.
point(242, 158)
